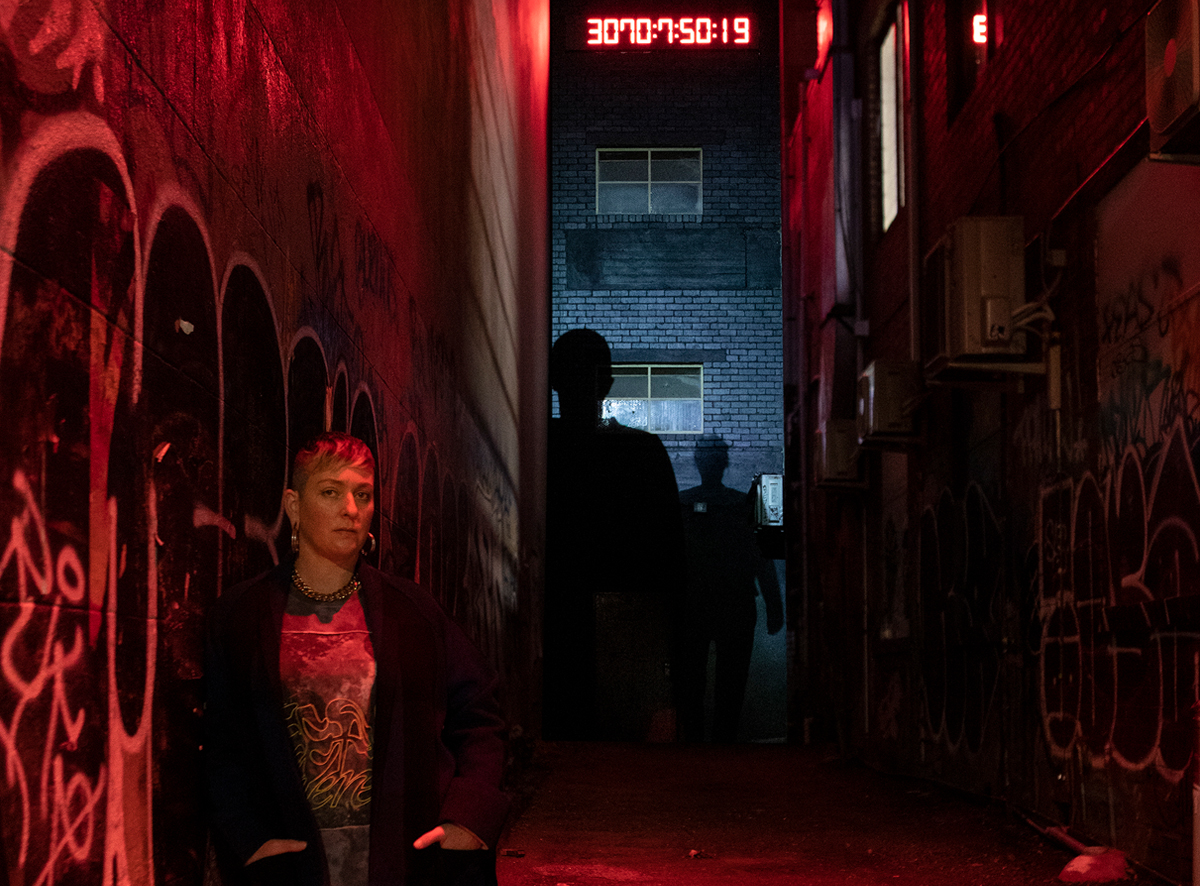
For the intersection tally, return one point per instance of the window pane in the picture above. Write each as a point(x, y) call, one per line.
point(889, 133)
point(631, 413)
point(681, 383)
point(623, 168)
point(675, 199)
point(629, 382)
point(624, 199)
point(676, 416)
point(688, 154)
point(683, 170)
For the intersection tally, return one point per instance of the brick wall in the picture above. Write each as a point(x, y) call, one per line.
point(726, 103)
point(1022, 640)
point(225, 226)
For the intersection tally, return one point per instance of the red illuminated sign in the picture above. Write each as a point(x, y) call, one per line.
point(642, 32)
point(979, 29)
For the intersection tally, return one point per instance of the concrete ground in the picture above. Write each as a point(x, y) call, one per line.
point(769, 815)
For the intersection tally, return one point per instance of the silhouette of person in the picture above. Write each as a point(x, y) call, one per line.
point(614, 538)
point(723, 563)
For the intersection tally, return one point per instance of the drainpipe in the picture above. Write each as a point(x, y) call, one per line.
point(1196, 800)
point(912, 173)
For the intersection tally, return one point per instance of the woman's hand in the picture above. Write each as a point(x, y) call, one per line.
point(451, 836)
point(277, 847)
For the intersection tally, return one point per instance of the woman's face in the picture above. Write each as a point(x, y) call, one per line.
point(334, 512)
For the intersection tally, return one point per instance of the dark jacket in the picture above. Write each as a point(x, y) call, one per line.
point(438, 748)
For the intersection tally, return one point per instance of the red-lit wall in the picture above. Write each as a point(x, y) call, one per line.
point(223, 226)
point(1006, 601)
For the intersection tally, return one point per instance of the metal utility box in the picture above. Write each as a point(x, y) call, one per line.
point(835, 454)
point(889, 392)
point(985, 284)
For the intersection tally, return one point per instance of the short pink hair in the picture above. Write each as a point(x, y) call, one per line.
point(330, 448)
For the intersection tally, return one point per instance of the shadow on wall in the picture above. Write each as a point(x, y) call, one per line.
point(725, 573)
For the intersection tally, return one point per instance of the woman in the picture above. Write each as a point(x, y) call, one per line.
point(352, 734)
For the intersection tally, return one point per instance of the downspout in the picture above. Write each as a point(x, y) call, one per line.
point(803, 370)
point(794, 187)
point(1195, 801)
point(848, 207)
point(912, 176)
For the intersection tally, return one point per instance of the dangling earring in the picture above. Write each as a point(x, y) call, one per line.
point(295, 538)
point(369, 547)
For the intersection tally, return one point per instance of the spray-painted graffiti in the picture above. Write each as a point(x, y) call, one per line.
point(75, 579)
point(55, 51)
point(373, 270)
point(961, 573)
point(1118, 547)
point(1119, 591)
point(56, 811)
point(1146, 364)
point(150, 403)
point(326, 241)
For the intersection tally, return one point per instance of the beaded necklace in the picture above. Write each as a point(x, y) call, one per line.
point(341, 594)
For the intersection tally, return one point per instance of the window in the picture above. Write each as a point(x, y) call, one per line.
point(649, 181)
point(665, 399)
point(891, 119)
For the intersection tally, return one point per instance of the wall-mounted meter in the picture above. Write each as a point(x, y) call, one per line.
point(768, 502)
point(767, 493)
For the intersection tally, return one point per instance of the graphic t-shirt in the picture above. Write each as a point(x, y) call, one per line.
point(327, 669)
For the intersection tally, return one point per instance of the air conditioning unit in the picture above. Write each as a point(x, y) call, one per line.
point(985, 284)
point(889, 392)
point(835, 455)
point(1173, 76)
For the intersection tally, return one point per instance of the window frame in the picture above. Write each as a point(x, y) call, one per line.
point(891, 118)
point(649, 181)
point(650, 399)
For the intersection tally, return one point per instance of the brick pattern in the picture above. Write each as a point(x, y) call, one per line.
point(1056, 117)
point(1069, 82)
point(725, 102)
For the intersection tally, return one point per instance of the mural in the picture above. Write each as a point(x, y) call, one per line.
point(167, 336)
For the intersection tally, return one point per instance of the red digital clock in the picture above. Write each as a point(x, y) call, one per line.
point(644, 32)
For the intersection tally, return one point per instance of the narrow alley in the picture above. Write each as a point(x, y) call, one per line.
point(767, 815)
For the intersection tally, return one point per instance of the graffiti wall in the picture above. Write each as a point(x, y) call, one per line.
point(225, 226)
point(1118, 589)
point(1056, 607)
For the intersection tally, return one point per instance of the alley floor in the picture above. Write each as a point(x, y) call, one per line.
point(767, 815)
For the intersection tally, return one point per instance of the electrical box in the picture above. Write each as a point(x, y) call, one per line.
point(889, 392)
point(985, 283)
point(835, 455)
point(767, 491)
point(768, 500)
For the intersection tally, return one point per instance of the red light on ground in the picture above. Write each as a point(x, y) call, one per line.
point(979, 29)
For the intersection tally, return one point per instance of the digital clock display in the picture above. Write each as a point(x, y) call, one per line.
point(644, 32)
